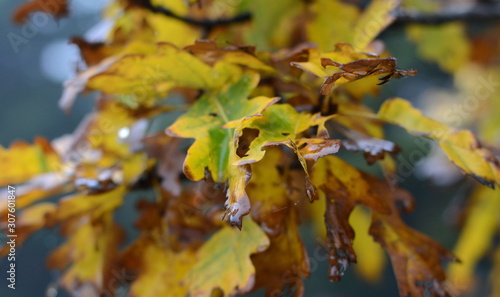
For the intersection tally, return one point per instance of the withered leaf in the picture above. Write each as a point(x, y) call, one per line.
point(373, 149)
point(416, 258)
point(344, 187)
point(166, 151)
point(363, 68)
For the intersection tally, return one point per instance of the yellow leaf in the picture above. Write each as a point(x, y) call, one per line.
point(343, 53)
point(450, 55)
point(29, 220)
point(268, 15)
point(138, 74)
point(472, 244)
point(224, 261)
point(23, 161)
point(81, 204)
point(38, 188)
point(332, 23)
point(375, 18)
point(359, 118)
point(161, 271)
point(90, 253)
point(461, 146)
point(370, 256)
point(267, 193)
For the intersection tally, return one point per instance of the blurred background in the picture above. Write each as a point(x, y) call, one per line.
point(32, 74)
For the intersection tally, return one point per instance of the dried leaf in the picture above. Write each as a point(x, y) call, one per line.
point(57, 8)
point(360, 69)
point(373, 149)
point(285, 273)
point(344, 187)
point(416, 259)
point(166, 151)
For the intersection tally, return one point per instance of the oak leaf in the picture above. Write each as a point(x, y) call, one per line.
point(416, 258)
point(224, 261)
point(89, 256)
point(344, 187)
point(461, 147)
point(211, 121)
point(160, 270)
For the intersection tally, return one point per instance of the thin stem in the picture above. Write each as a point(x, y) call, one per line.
point(208, 25)
point(483, 13)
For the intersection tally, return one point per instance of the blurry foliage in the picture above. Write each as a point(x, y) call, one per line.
point(269, 91)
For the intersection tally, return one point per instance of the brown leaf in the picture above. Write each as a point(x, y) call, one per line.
point(57, 8)
point(288, 256)
point(210, 53)
point(363, 68)
point(195, 213)
point(416, 258)
point(94, 52)
point(308, 151)
point(165, 150)
point(344, 187)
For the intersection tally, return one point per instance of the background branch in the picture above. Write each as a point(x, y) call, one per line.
point(482, 13)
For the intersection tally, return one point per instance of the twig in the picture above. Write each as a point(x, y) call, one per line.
point(208, 25)
point(484, 13)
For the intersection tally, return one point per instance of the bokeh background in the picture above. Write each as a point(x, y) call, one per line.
point(31, 79)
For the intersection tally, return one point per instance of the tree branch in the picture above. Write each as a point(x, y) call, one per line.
point(482, 13)
point(206, 24)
